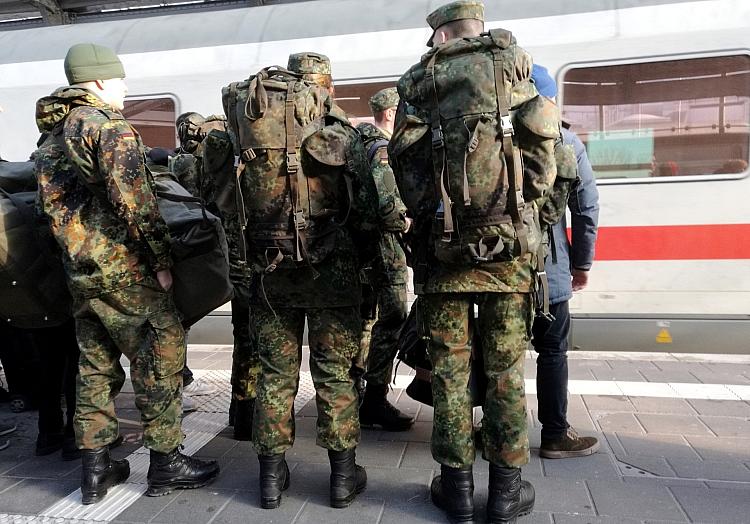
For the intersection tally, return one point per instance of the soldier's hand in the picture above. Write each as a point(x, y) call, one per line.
point(580, 279)
point(165, 279)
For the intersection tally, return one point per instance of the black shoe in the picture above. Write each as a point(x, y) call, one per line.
point(232, 405)
point(71, 452)
point(274, 478)
point(99, 473)
point(453, 492)
point(377, 411)
point(243, 419)
point(509, 497)
point(347, 478)
point(170, 471)
point(48, 443)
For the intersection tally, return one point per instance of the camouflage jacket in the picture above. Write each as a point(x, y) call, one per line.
point(390, 265)
point(513, 276)
point(334, 282)
point(97, 194)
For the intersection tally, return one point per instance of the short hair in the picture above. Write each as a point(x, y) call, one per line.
point(466, 27)
point(319, 79)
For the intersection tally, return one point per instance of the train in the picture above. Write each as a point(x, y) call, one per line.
point(658, 90)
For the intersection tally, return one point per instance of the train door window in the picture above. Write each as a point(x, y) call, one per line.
point(662, 119)
point(154, 119)
point(354, 98)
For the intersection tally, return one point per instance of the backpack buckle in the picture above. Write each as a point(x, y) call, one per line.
point(299, 220)
point(292, 162)
point(438, 139)
point(506, 126)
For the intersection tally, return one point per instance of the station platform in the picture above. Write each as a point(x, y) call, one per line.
point(674, 432)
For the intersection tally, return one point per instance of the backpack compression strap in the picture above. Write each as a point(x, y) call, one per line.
point(293, 170)
point(374, 147)
point(438, 149)
point(511, 152)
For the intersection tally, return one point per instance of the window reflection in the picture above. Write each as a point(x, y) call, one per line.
point(154, 119)
point(353, 98)
point(667, 118)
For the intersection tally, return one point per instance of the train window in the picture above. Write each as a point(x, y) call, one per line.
point(353, 98)
point(661, 119)
point(154, 119)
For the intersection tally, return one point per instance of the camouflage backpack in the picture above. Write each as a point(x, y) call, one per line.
point(472, 150)
point(294, 179)
point(187, 165)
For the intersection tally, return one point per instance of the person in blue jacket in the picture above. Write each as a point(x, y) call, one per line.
point(567, 268)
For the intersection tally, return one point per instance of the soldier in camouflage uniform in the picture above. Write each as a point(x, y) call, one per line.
point(327, 294)
point(388, 275)
point(499, 290)
point(217, 162)
point(103, 213)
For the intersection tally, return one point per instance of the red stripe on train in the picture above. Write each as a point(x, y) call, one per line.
point(695, 242)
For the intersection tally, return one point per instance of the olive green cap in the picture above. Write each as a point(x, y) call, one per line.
point(460, 10)
point(383, 99)
point(309, 64)
point(87, 62)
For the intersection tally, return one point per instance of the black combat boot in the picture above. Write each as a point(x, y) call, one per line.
point(173, 470)
point(509, 497)
point(99, 473)
point(274, 478)
point(453, 492)
point(377, 411)
point(347, 478)
point(243, 419)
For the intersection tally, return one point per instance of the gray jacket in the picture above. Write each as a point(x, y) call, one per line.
point(584, 211)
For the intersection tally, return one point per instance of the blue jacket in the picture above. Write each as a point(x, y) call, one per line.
point(583, 204)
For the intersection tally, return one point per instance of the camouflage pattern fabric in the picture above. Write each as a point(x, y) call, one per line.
point(187, 168)
point(334, 338)
point(504, 322)
point(384, 99)
point(142, 323)
point(245, 357)
point(388, 274)
point(117, 237)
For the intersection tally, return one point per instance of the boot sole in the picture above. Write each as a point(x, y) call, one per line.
point(346, 502)
point(522, 513)
point(275, 502)
point(550, 454)
point(160, 491)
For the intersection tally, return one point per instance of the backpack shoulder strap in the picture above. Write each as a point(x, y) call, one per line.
point(375, 145)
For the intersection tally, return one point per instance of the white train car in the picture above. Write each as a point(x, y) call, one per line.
point(659, 90)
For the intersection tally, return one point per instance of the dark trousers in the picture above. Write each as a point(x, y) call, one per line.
point(58, 350)
point(550, 340)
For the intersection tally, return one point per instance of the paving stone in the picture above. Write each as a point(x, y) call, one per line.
point(656, 445)
point(419, 432)
point(613, 443)
point(220, 445)
point(550, 498)
point(585, 519)
point(620, 499)
point(727, 506)
point(32, 496)
point(673, 424)
point(670, 406)
point(720, 448)
point(48, 467)
point(711, 470)
point(728, 484)
point(617, 422)
point(581, 370)
point(663, 482)
point(8, 483)
point(717, 373)
point(728, 426)
point(596, 466)
point(417, 455)
point(417, 513)
point(194, 506)
point(608, 403)
point(724, 408)
point(146, 508)
point(653, 465)
point(425, 414)
point(305, 450)
point(619, 370)
point(240, 474)
point(245, 507)
point(363, 510)
point(380, 453)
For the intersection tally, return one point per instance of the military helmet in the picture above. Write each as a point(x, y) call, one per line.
point(383, 99)
point(459, 10)
point(309, 64)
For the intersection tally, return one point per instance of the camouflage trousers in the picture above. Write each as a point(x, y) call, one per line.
point(245, 359)
point(379, 342)
point(334, 337)
point(504, 322)
point(140, 322)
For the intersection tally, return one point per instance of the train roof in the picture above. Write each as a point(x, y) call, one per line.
point(209, 28)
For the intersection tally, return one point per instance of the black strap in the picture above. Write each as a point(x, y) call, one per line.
point(375, 145)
